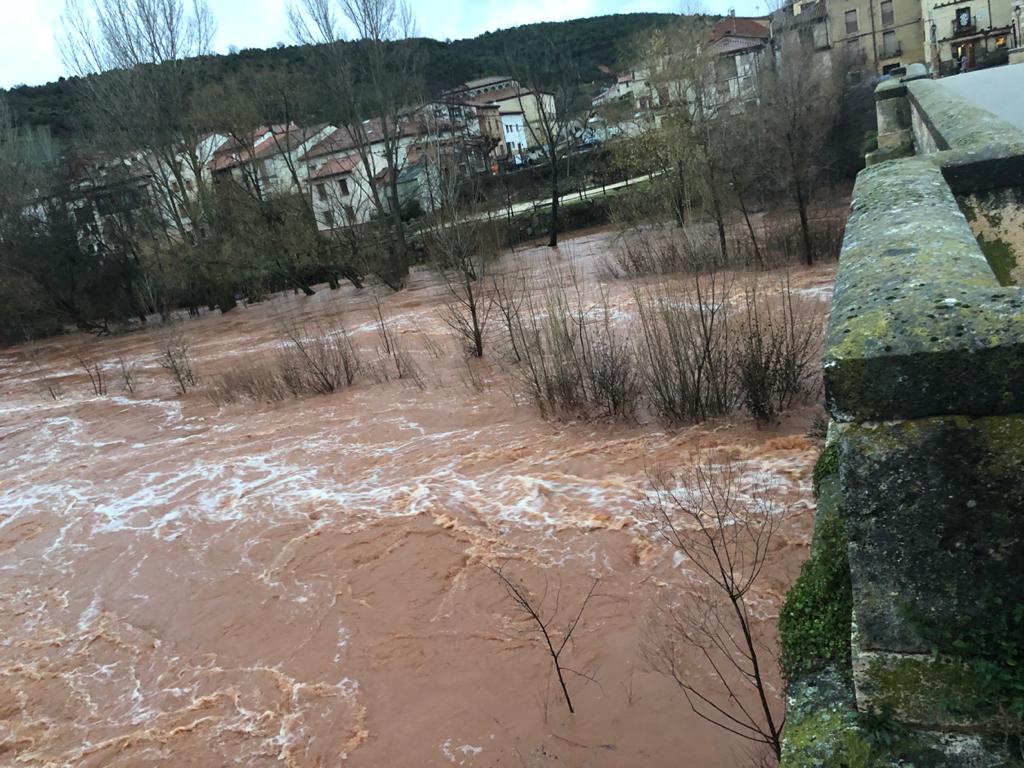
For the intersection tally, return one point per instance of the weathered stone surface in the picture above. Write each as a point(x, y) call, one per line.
point(821, 721)
point(996, 217)
point(977, 150)
point(824, 730)
point(919, 323)
point(912, 687)
point(890, 89)
point(933, 520)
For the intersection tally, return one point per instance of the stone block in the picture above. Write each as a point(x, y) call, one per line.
point(933, 512)
point(919, 323)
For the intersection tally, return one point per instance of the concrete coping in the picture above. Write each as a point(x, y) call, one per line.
point(919, 324)
point(890, 89)
point(978, 150)
point(915, 71)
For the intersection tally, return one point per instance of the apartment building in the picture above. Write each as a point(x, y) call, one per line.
point(878, 35)
point(966, 35)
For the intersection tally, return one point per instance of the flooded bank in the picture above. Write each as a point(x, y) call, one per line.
point(305, 583)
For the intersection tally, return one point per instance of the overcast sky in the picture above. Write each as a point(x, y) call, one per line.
point(28, 53)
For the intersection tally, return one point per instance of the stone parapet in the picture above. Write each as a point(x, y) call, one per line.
point(924, 381)
point(919, 326)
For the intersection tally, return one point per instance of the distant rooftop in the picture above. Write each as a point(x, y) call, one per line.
point(480, 82)
point(741, 26)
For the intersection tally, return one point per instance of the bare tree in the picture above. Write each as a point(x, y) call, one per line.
point(97, 379)
point(175, 357)
point(318, 359)
point(778, 350)
point(555, 114)
point(141, 107)
point(27, 156)
point(685, 346)
point(798, 107)
point(463, 245)
point(711, 646)
point(128, 377)
point(544, 614)
point(371, 84)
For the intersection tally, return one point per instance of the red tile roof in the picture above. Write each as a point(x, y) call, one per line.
point(266, 141)
point(740, 26)
point(344, 139)
point(337, 167)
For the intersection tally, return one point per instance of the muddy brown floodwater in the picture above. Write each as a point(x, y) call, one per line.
point(305, 583)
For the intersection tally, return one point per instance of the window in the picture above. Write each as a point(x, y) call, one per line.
point(962, 21)
point(851, 21)
point(343, 186)
point(887, 17)
point(890, 47)
point(328, 218)
point(321, 192)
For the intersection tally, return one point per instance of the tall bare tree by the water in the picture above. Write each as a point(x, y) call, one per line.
point(798, 107)
point(27, 156)
point(462, 244)
point(371, 83)
point(275, 218)
point(682, 74)
point(145, 50)
point(552, 82)
point(711, 645)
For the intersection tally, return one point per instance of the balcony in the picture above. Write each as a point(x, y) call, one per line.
point(891, 51)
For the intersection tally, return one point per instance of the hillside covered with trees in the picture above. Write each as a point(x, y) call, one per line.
point(597, 47)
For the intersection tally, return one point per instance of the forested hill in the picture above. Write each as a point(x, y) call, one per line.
point(598, 46)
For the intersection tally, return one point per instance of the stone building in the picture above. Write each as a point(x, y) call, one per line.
point(971, 34)
point(880, 35)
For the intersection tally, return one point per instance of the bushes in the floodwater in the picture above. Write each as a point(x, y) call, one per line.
point(310, 359)
point(691, 348)
point(665, 249)
point(572, 359)
point(313, 358)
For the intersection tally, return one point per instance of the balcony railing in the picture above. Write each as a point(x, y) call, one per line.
point(892, 51)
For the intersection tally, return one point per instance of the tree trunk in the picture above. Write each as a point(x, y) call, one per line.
point(716, 205)
point(750, 227)
point(553, 239)
point(805, 231)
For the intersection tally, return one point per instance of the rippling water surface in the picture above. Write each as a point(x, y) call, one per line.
point(304, 584)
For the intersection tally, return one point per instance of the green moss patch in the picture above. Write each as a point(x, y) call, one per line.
point(1000, 257)
point(814, 623)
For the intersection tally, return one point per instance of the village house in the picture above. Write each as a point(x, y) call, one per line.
point(478, 125)
point(484, 85)
point(625, 107)
point(736, 47)
point(106, 197)
point(878, 35)
point(521, 110)
point(967, 35)
point(268, 160)
point(803, 23)
point(350, 165)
